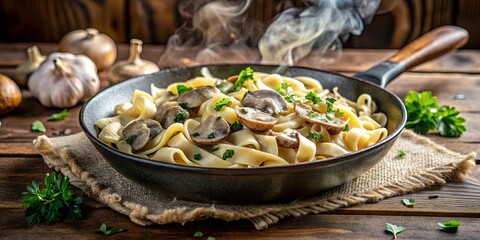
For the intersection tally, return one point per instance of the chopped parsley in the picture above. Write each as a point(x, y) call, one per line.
point(228, 154)
point(287, 93)
point(401, 153)
point(215, 148)
point(346, 128)
point(313, 114)
point(131, 139)
point(245, 75)
point(236, 126)
point(339, 113)
point(330, 102)
point(315, 136)
point(181, 116)
point(59, 116)
point(222, 103)
point(329, 116)
point(37, 126)
point(182, 89)
point(409, 202)
point(197, 156)
point(184, 105)
point(195, 134)
point(198, 235)
point(450, 226)
point(313, 97)
point(212, 135)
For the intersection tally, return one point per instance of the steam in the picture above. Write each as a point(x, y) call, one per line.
point(214, 32)
point(322, 25)
point(220, 32)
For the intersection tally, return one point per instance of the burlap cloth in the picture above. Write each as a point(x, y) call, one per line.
point(424, 165)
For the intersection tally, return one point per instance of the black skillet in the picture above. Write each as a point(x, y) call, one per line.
point(269, 184)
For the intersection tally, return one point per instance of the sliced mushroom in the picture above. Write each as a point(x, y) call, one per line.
point(255, 119)
point(266, 100)
point(333, 125)
point(211, 131)
point(138, 132)
point(162, 108)
point(287, 139)
point(196, 97)
point(172, 115)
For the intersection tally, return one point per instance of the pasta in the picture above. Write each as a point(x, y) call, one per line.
point(251, 120)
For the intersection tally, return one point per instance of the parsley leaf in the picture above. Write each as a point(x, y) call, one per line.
point(181, 116)
point(212, 135)
point(196, 134)
point(245, 75)
point(401, 153)
point(59, 116)
point(313, 114)
point(421, 111)
point(211, 238)
point(315, 136)
point(450, 226)
point(346, 128)
point(228, 154)
point(215, 148)
point(131, 139)
point(182, 89)
point(57, 201)
point(197, 156)
point(183, 105)
point(37, 126)
point(409, 202)
point(103, 229)
point(449, 124)
point(287, 93)
point(198, 234)
point(222, 103)
point(236, 126)
point(330, 102)
point(394, 229)
point(313, 96)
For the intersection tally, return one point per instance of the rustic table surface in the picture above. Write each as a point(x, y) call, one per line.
point(452, 75)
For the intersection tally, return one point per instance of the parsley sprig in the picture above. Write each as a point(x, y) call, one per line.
point(182, 89)
point(37, 126)
point(313, 97)
point(57, 201)
point(287, 93)
point(222, 103)
point(424, 114)
point(245, 75)
point(394, 229)
point(103, 229)
point(450, 226)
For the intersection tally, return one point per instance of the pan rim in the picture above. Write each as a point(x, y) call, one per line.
point(267, 170)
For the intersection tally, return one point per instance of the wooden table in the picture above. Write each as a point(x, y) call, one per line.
point(446, 77)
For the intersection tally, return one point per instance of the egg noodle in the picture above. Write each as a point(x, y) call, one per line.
point(244, 147)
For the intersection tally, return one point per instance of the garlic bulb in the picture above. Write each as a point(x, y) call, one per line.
point(133, 66)
point(63, 80)
point(89, 42)
point(22, 72)
point(10, 95)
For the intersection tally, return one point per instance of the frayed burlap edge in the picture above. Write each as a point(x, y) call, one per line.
point(140, 214)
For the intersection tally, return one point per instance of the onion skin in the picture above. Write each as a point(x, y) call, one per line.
point(132, 67)
point(89, 42)
point(10, 95)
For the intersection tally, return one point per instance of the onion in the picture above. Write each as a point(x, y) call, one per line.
point(10, 95)
point(133, 66)
point(89, 42)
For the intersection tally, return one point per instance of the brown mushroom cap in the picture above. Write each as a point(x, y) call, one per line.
point(255, 119)
point(162, 108)
point(196, 97)
point(266, 100)
point(211, 131)
point(287, 139)
point(172, 115)
point(334, 126)
point(139, 131)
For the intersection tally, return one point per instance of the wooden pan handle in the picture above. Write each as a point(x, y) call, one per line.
point(431, 45)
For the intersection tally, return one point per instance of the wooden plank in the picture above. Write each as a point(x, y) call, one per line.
point(322, 226)
point(351, 60)
point(18, 150)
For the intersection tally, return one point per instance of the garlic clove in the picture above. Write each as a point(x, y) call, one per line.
point(99, 47)
point(22, 72)
point(132, 67)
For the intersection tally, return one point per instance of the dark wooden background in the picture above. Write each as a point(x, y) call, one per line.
point(153, 21)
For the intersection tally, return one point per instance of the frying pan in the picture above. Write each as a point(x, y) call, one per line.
point(268, 184)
